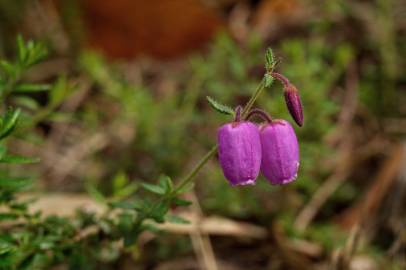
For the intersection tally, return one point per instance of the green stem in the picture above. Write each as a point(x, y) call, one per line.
point(253, 98)
point(196, 169)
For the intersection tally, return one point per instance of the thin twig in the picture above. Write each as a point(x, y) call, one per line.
point(201, 240)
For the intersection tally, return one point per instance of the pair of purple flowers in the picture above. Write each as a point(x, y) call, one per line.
point(245, 149)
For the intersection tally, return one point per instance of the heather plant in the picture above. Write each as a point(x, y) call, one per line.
point(156, 120)
point(229, 74)
point(86, 240)
point(32, 241)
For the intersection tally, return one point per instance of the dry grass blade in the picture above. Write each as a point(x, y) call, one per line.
point(201, 241)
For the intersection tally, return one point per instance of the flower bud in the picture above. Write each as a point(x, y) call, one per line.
point(280, 152)
point(294, 104)
point(292, 98)
point(239, 152)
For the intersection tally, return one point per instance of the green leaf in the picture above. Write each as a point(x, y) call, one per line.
point(120, 181)
point(269, 59)
point(176, 219)
point(8, 216)
point(9, 122)
point(59, 91)
point(151, 228)
point(126, 191)
point(18, 159)
point(166, 183)
point(30, 88)
point(95, 194)
point(159, 211)
point(3, 151)
point(22, 51)
point(181, 202)
point(129, 205)
point(30, 53)
point(153, 188)
point(15, 182)
point(5, 247)
point(220, 107)
point(26, 102)
point(2, 84)
point(60, 117)
point(8, 68)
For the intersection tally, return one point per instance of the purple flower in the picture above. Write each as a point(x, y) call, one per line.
point(240, 152)
point(280, 152)
point(294, 104)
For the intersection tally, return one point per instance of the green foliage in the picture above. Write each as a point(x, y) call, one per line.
point(220, 107)
point(35, 242)
point(8, 122)
point(166, 140)
point(10, 74)
point(18, 246)
point(130, 210)
point(28, 55)
point(269, 67)
point(225, 72)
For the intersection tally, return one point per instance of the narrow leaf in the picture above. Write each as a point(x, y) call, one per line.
point(5, 247)
point(22, 51)
point(26, 102)
point(9, 122)
point(159, 211)
point(269, 59)
point(120, 180)
point(166, 183)
point(220, 107)
point(181, 202)
point(17, 182)
point(129, 205)
point(30, 88)
point(18, 159)
point(95, 194)
point(126, 191)
point(153, 188)
point(151, 228)
point(176, 219)
point(3, 151)
point(59, 91)
point(8, 216)
point(8, 68)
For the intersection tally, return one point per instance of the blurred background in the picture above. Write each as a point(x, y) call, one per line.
point(131, 81)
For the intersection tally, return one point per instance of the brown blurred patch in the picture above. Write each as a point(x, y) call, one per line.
point(272, 15)
point(160, 28)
